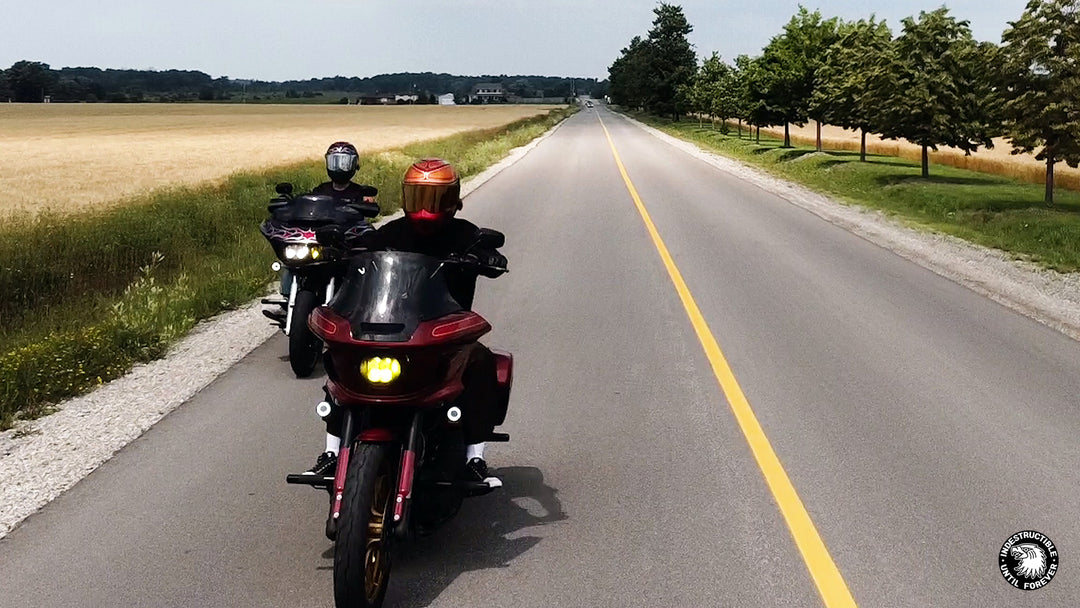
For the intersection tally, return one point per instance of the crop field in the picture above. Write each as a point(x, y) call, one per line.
point(997, 160)
point(72, 157)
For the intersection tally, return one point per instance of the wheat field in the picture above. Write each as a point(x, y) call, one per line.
point(72, 157)
point(997, 160)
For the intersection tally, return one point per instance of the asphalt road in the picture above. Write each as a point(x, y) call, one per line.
point(920, 424)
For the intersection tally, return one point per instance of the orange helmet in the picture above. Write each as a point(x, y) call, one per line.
point(430, 190)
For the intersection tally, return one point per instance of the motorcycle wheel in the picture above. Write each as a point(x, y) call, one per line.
point(304, 346)
point(362, 552)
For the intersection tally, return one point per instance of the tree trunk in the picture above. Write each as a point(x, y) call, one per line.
point(759, 135)
point(818, 123)
point(1050, 160)
point(787, 136)
point(699, 119)
point(925, 161)
point(740, 128)
point(862, 148)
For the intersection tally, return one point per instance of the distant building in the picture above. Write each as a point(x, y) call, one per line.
point(446, 100)
point(406, 98)
point(375, 100)
point(488, 92)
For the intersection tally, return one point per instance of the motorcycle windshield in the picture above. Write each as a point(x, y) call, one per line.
point(315, 210)
point(385, 295)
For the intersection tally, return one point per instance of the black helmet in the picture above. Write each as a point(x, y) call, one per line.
point(341, 161)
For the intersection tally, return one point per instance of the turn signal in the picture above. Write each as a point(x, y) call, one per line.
point(380, 370)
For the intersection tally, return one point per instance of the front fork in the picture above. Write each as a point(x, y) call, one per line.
point(292, 303)
point(292, 300)
point(406, 468)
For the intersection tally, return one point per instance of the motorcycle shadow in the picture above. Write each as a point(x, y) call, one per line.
point(488, 532)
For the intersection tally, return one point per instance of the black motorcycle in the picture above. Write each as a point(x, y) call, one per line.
point(311, 269)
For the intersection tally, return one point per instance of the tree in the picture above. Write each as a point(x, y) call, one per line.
point(671, 62)
point(628, 75)
point(842, 94)
point(707, 87)
point(727, 97)
point(933, 87)
point(1040, 74)
point(790, 62)
point(30, 80)
point(756, 82)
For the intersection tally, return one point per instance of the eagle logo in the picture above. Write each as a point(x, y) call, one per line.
point(1030, 560)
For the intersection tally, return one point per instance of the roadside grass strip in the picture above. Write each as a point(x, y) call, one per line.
point(830, 583)
point(87, 296)
point(991, 210)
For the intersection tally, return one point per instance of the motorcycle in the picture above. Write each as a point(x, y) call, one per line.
point(397, 345)
point(315, 268)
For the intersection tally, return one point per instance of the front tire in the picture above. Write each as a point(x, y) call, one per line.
point(361, 552)
point(304, 346)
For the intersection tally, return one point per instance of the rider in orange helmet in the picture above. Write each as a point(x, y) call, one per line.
point(430, 198)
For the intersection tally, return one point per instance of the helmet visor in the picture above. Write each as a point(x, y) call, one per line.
point(339, 161)
point(423, 197)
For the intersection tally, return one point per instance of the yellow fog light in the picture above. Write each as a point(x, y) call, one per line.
point(315, 253)
point(380, 370)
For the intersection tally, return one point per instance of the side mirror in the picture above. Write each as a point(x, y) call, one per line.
point(491, 239)
point(283, 188)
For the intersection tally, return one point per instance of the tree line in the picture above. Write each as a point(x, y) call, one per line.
point(931, 84)
point(33, 81)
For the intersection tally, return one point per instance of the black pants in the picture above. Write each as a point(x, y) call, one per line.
point(479, 403)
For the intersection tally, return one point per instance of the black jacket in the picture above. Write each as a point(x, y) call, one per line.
point(457, 237)
point(353, 191)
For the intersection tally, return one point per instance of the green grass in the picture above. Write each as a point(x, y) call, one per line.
point(991, 210)
point(87, 296)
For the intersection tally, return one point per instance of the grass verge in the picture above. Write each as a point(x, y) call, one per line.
point(88, 296)
point(991, 210)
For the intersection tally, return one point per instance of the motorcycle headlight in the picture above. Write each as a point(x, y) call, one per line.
point(380, 370)
point(297, 251)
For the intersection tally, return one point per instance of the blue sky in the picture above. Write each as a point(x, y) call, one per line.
point(296, 39)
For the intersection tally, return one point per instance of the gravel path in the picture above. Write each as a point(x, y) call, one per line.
point(40, 459)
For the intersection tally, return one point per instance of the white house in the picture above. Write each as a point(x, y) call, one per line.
point(446, 100)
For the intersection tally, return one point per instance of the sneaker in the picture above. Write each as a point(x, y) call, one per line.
point(477, 470)
point(324, 466)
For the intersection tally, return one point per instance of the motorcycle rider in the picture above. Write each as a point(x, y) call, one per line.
point(431, 196)
point(342, 160)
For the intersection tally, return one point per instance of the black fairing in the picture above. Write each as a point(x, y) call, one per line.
point(387, 294)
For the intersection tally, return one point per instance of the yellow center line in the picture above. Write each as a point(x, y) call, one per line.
point(830, 584)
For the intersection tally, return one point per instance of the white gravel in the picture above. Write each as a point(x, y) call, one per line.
point(40, 459)
point(1050, 297)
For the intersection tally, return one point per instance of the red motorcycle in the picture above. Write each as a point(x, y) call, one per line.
point(397, 346)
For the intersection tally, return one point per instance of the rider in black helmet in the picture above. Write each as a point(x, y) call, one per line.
point(341, 163)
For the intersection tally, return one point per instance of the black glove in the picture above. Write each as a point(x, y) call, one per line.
point(495, 260)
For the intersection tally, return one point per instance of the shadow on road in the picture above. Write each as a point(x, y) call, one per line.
point(489, 532)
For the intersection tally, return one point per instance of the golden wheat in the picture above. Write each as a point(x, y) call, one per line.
point(69, 157)
point(997, 160)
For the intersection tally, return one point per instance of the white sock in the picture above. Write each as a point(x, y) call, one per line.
point(333, 443)
point(475, 450)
